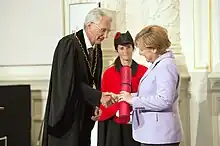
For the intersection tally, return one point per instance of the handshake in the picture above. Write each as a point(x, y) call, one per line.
point(108, 99)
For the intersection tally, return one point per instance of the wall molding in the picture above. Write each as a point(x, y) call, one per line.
point(25, 72)
point(214, 105)
point(202, 14)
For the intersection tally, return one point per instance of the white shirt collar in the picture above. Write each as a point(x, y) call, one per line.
point(88, 43)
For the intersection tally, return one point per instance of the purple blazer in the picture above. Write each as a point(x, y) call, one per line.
point(156, 118)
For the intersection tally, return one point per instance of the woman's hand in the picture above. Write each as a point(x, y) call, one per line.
point(125, 96)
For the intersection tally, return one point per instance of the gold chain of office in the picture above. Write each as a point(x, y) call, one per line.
point(92, 72)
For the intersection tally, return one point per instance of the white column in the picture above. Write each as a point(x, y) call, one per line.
point(215, 24)
point(197, 41)
point(214, 77)
point(186, 31)
point(196, 36)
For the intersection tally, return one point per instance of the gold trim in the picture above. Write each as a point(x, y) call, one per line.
point(92, 72)
point(209, 38)
point(210, 33)
point(64, 17)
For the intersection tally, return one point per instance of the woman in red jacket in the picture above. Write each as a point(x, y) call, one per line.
point(111, 131)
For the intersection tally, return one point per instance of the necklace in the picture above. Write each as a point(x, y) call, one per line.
point(91, 69)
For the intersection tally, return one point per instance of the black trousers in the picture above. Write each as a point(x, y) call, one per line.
point(171, 144)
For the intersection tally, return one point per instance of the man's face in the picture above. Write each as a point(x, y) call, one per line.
point(100, 31)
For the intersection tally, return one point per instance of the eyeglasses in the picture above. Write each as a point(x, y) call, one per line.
point(103, 30)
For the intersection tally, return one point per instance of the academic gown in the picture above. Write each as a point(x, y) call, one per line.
point(110, 132)
point(71, 98)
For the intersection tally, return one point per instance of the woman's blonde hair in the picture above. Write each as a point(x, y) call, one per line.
point(155, 37)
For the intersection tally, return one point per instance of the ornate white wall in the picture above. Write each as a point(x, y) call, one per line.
point(194, 28)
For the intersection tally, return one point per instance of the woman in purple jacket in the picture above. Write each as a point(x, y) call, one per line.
point(156, 120)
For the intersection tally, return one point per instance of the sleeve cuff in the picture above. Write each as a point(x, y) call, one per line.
point(134, 94)
point(135, 102)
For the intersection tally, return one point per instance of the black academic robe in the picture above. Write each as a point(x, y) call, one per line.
point(71, 98)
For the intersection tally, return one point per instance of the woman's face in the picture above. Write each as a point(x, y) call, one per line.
point(147, 51)
point(125, 52)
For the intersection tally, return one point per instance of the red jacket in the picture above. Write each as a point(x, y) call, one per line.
point(111, 83)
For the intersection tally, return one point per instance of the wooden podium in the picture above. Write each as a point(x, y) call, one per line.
point(15, 115)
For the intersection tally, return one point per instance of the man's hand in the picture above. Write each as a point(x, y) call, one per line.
point(108, 99)
point(97, 114)
point(115, 97)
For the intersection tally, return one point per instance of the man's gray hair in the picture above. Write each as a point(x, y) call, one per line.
point(95, 16)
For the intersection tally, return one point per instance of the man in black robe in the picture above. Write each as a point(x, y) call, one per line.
point(76, 68)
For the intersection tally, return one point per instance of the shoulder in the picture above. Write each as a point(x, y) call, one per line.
point(67, 38)
point(168, 68)
point(142, 67)
point(168, 64)
point(65, 44)
point(64, 52)
point(109, 71)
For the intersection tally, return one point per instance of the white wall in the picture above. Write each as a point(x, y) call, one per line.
point(29, 30)
point(199, 31)
point(186, 31)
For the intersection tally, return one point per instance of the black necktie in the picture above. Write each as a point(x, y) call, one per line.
point(90, 51)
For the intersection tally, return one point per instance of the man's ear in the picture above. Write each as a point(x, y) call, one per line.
point(89, 24)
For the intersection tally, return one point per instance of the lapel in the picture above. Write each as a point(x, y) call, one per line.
point(82, 41)
point(85, 55)
point(98, 71)
point(149, 70)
